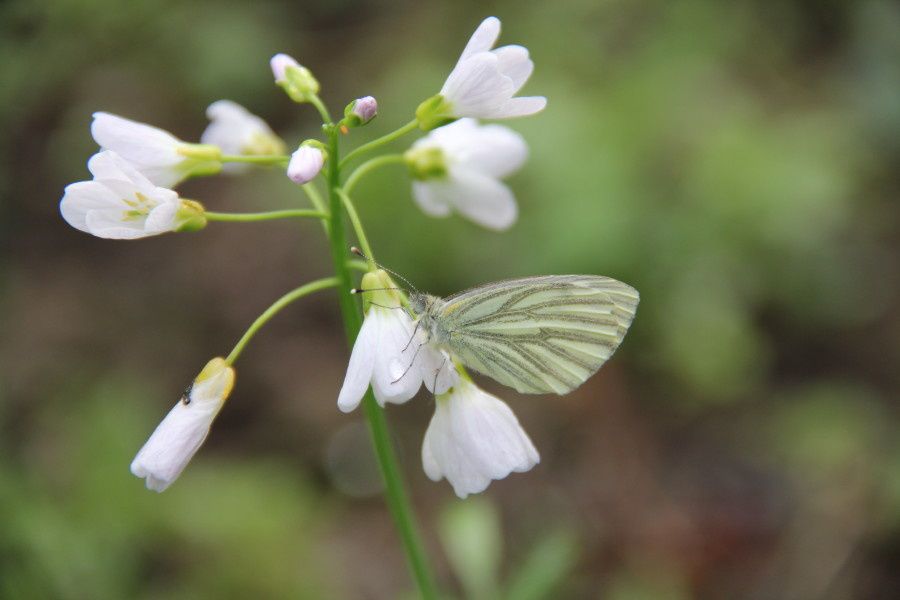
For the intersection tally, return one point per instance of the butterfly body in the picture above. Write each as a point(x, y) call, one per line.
point(535, 334)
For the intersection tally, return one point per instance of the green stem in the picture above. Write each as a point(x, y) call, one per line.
point(358, 228)
point(303, 290)
point(378, 142)
point(315, 197)
point(369, 166)
point(395, 493)
point(265, 216)
point(256, 160)
point(320, 106)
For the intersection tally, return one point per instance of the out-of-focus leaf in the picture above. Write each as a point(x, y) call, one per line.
point(545, 568)
point(470, 533)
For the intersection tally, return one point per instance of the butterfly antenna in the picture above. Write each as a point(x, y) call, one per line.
point(359, 253)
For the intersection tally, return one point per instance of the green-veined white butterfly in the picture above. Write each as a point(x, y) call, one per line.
point(535, 334)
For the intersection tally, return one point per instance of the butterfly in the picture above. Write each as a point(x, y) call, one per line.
point(536, 334)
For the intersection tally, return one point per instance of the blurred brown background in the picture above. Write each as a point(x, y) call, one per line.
point(735, 162)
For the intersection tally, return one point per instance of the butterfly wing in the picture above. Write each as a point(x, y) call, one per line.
point(539, 334)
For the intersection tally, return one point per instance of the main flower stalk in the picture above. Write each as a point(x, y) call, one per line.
point(395, 492)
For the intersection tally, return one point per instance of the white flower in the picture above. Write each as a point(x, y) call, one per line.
point(459, 167)
point(474, 438)
point(158, 155)
point(483, 82)
point(306, 162)
point(183, 430)
point(389, 355)
point(236, 131)
point(122, 204)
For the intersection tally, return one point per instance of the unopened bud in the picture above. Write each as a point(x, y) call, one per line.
point(296, 80)
point(360, 111)
point(306, 162)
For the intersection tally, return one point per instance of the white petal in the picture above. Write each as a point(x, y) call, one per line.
point(430, 199)
point(237, 131)
point(362, 363)
point(81, 198)
point(518, 107)
point(515, 64)
point(474, 438)
point(429, 464)
point(476, 87)
point(151, 150)
point(483, 38)
point(107, 165)
point(162, 218)
point(394, 378)
point(110, 225)
point(480, 198)
point(438, 372)
point(174, 443)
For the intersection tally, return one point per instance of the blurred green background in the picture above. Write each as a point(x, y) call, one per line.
point(736, 162)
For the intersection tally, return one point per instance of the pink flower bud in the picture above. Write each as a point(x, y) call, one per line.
point(279, 64)
point(365, 108)
point(305, 164)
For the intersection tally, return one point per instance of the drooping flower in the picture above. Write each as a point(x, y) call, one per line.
point(237, 131)
point(390, 353)
point(306, 162)
point(459, 167)
point(474, 438)
point(295, 79)
point(158, 155)
point(181, 433)
point(360, 111)
point(483, 83)
point(120, 203)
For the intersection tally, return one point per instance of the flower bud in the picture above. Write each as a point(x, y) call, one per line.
point(360, 111)
point(296, 80)
point(183, 430)
point(306, 162)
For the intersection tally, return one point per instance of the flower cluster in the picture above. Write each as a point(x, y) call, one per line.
point(457, 167)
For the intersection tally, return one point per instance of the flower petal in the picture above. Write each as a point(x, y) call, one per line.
point(474, 438)
point(514, 63)
point(476, 87)
point(431, 198)
point(482, 199)
point(81, 198)
point(394, 378)
point(362, 363)
point(518, 107)
point(151, 150)
point(483, 39)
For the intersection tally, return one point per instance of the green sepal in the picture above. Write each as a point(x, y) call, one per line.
point(299, 84)
point(379, 290)
point(191, 216)
point(434, 112)
point(426, 163)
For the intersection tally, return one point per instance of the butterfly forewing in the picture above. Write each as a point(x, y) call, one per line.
point(539, 334)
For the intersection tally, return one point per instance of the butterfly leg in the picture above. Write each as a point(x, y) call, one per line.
point(436, 373)
point(411, 363)
point(413, 336)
